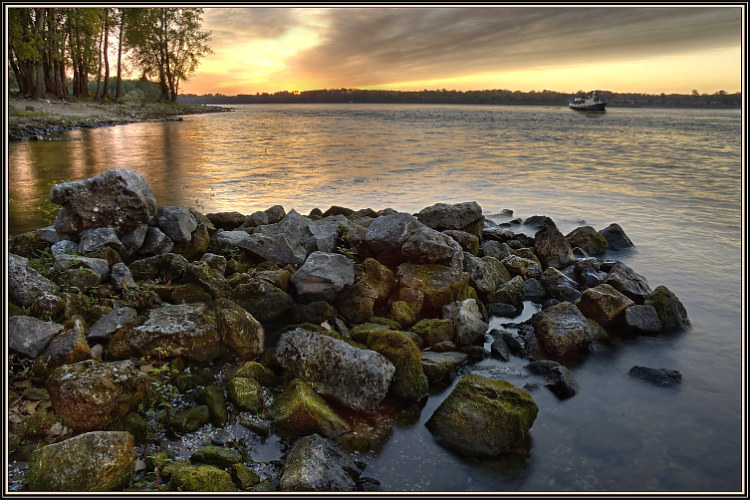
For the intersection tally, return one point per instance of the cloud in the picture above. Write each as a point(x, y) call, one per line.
point(370, 46)
point(230, 25)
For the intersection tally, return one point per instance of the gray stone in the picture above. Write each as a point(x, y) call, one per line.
point(176, 222)
point(227, 220)
point(275, 213)
point(534, 290)
point(519, 266)
point(262, 299)
point(642, 319)
point(440, 367)
point(98, 237)
point(357, 378)
point(118, 198)
point(323, 276)
point(386, 234)
point(672, 313)
point(496, 249)
point(325, 232)
point(99, 266)
point(155, 243)
point(561, 329)
point(467, 321)
point(109, 324)
point(24, 283)
point(318, 464)
point(121, 276)
point(64, 247)
point(552, 248)
point(558, 378)
point(461, 216)
point(426, 246)
point(30, 336)
point(134, 239)
point(485, 274)
point(616, 237)
point(217, 262)
point(48, 234)
point(628, 282)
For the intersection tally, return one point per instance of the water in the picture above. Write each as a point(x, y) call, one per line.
point(671, 178)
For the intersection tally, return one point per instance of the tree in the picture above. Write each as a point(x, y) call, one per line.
point(118, 87)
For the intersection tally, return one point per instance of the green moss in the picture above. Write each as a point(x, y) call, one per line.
point(246, 393)
point(244, 476)
point(216, 455)
point(253, 369)
point(201, 478)
point(300, 410)
point(409, 381)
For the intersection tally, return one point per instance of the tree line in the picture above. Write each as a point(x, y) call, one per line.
point(497, 96)
point(60, 51)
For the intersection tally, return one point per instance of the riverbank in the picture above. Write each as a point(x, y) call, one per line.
point(39, 118)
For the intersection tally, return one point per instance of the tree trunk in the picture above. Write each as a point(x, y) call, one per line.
point(105, 93)
point(99, 68)
point(39, 89)
point(118, 89)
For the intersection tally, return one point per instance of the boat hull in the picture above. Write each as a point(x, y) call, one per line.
point(598, 106)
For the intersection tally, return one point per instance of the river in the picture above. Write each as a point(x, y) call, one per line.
point(672, 178)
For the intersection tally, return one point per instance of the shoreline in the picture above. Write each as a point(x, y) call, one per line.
point(37, 119)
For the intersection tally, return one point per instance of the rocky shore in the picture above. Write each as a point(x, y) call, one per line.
point(135, 327)
point(38, 119)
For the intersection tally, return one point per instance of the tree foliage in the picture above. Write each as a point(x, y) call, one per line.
point(54, 51)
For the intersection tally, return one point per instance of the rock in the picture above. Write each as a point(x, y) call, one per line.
point(26, 244)
point(287, 242)
point(133, 240)
point(628, 282)
point(217, 262)
point(641, 320)
point(355, 377)
point(176, 222)
point(561, 329)
point(493, 248)
point(246, 394)
point(121, 277)
point(119, 319)
point(534, 290)
point(558, 378)
point(440, 284)
point(64, 247)
point(587, 273)
point(587, 239)
point(318, 464)
point(93, 461)
point(440, 366)
point(657, 376)
point(511, 293)
point(387, 234)
point(433, 331)
point(552, 248)
point(255, 219)
point(428, 246)
point(226, 220)
point(552, 278)
point(165, 268)
point(239, 329)
point(499, 349)
point(155, 243)
point(90, 395)
point(208, 278)
point(483, 417)
point(253, 369)
point(485, 274)
point(262, 300)
point(465, 216)
point(671, 312)
point(24, 283)
point(81, 279)
point(301, 411)
point(118, 198)
point(201, 478)
point(539, 221)
point(467, 321)
point(603, 304)
point(616, 237)
point(519, 266)
point(469, 242)
point(95, 238)
point(275, 213)
point(409, 381)
point(68, 346)
point(323, 276)
point(218, 456)
point(190, 420)
point(326, 231)
point(185, 330)
point(213, 397)
point(196, 246)
point(30, 336)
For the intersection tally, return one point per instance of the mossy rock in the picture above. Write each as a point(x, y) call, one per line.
point(201, 478)
point(244, 476)
point(252, 369)
point(671, 312)
point(190, 420)
point(41, 422)
point(107, 253)
point(239, 329)
point(440, 284)
point(434, 330)
point(170, 468)
point(483, 417)
point(216, 455)
point(301, 411)
point(27, 245)
point(93, 461)
point(403, 313)
point(213, 397)
point(246, 394)
point(134, 424)
point(409, 381)
point(390, 323)
point(360, 333)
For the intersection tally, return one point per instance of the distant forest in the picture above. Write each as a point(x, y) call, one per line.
point(545, 98)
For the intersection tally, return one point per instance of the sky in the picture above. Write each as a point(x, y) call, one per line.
point(566, 49)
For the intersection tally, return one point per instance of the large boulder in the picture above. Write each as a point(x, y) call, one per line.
point(239, 329)
point(299, 410)
point(323, 276)
point(627, 281)
point(184, 330)
point(90, 395)
point(440, 284)
point(552, 248)
point(29, 335)
point(118, 198)
point(176, 222)
point(483, 417)
point(561, 329)
point(409, 381)
point(671, 312)
point(318, 464)
point(357, 378)
point(387, 233)
point(465, 216)
point(603, 304)
point(428, 246)
point(93, 461)
point(25, 283)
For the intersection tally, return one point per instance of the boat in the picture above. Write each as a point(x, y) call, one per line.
point(590, 103)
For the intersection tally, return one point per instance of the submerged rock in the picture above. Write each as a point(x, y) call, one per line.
point(483, 417)
point(657, 376)
point(94, 461)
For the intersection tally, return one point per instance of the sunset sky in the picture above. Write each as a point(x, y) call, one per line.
point(621, 49)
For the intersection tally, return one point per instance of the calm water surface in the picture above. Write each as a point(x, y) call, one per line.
point(671, 178)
